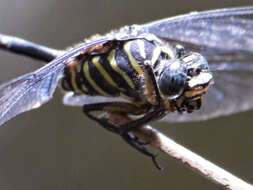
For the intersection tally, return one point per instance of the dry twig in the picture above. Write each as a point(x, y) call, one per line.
point(188, 158)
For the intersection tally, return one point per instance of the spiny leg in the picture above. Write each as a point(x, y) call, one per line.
point(87, 109)
point(132, 140)
point(150, 78)
point(117, 107)
point(113, 107)
point(104, 122)
point(142, 149)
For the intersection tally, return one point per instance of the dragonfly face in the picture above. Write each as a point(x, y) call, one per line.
point(185, 80)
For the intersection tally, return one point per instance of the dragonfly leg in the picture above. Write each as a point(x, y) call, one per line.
point(107, 124)
point(138, 123)
point(151, 83)
point(111, 107)
point(136, 145)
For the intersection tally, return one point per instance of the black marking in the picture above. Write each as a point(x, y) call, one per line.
point(116, 77)
point(100, 81)
point(149, 49)
point(65, 82)
point(135, 51)
point(91, 90)
point(124, 64)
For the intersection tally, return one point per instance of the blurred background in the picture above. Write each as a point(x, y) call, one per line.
point(57, 147)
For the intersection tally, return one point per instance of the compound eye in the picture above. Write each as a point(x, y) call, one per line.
point(172, 84)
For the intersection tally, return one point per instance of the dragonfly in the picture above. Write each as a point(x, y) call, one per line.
point(163, 70)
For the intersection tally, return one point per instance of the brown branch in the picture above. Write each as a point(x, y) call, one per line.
point(27, 48)
point(190, 159)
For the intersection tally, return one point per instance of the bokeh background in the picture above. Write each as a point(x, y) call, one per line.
point(57, 147)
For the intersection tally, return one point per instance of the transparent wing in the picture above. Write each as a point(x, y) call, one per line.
point(227, 30)
point(79, 100)
point(34, 89)
point(225, 38)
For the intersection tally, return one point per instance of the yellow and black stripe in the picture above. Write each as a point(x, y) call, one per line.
point(118, 72)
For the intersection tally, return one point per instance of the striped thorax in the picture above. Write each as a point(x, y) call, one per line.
point(116, 72)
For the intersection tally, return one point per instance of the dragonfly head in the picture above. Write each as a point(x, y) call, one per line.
point(185, 80)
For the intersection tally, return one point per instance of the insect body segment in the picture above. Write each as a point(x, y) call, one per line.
point(116, 72)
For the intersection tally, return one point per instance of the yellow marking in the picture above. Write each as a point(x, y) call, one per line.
point(78, 66)
point(73, 80)
point(132, 60)
point(170, 105)
point(149, 90)
point(115, 67)
point(194, 92)
point(84, 88)
point(140, 103)
point(103, 72)
point(180, 101)
point(91, 81)
point(141, 45)
point(126, 97)
point(188, 58)
point(155, 55)
point(169, 52)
